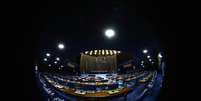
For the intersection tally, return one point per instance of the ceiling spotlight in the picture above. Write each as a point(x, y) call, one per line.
point(103, 52)
point(110, 51)
point(36, 67)
point(55, 62)
point(114, 51)
point(95, 51)
point(99, 52)
point(86, 52)
point(57, 58)
point(107, 52)
point(48, 54)
point(150, 60)
point(49, 65)
point(91, 52)
point(148, 56)
point(61, 46)
point(160, 55)
point(45, 59)
point(145, 51)
point(109, 33)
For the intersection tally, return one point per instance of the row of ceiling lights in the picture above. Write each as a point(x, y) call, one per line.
point(145, 51)
point(102, 52)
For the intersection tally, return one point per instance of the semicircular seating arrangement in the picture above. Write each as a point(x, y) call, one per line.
point(90, 83)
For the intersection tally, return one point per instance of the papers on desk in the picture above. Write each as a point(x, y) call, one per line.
point(80, 92)
point(90, 91)
point(113, 91)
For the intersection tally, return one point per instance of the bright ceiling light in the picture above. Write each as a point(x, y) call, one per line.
point(145, 51)
point(48, 54)
point(109, 33)
point(57, 58)
point(61, 46)
point(86, 52)
point(150, 60)
point(45, 59)
point(159, 55)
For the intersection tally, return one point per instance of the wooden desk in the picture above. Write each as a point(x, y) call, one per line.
point(96, 94)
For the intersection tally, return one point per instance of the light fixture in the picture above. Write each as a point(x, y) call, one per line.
point(160, 55)
point(61, 46)
point(99, 52)
point(86, 52)
point(95, 52)
point(90, 52)
point(45, 59)
point(150, 60)
point(48, 54)
point(103, 52)
point(110, 52)
point(114, 51)
point(148, 56)
point(36, 67)
point(109, 33)
point(107, 52)
point(57, 58)
point(145, 51)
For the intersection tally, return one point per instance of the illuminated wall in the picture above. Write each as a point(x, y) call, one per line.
point(90, 64)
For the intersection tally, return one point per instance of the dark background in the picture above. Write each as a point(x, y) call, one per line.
point(80, 25)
